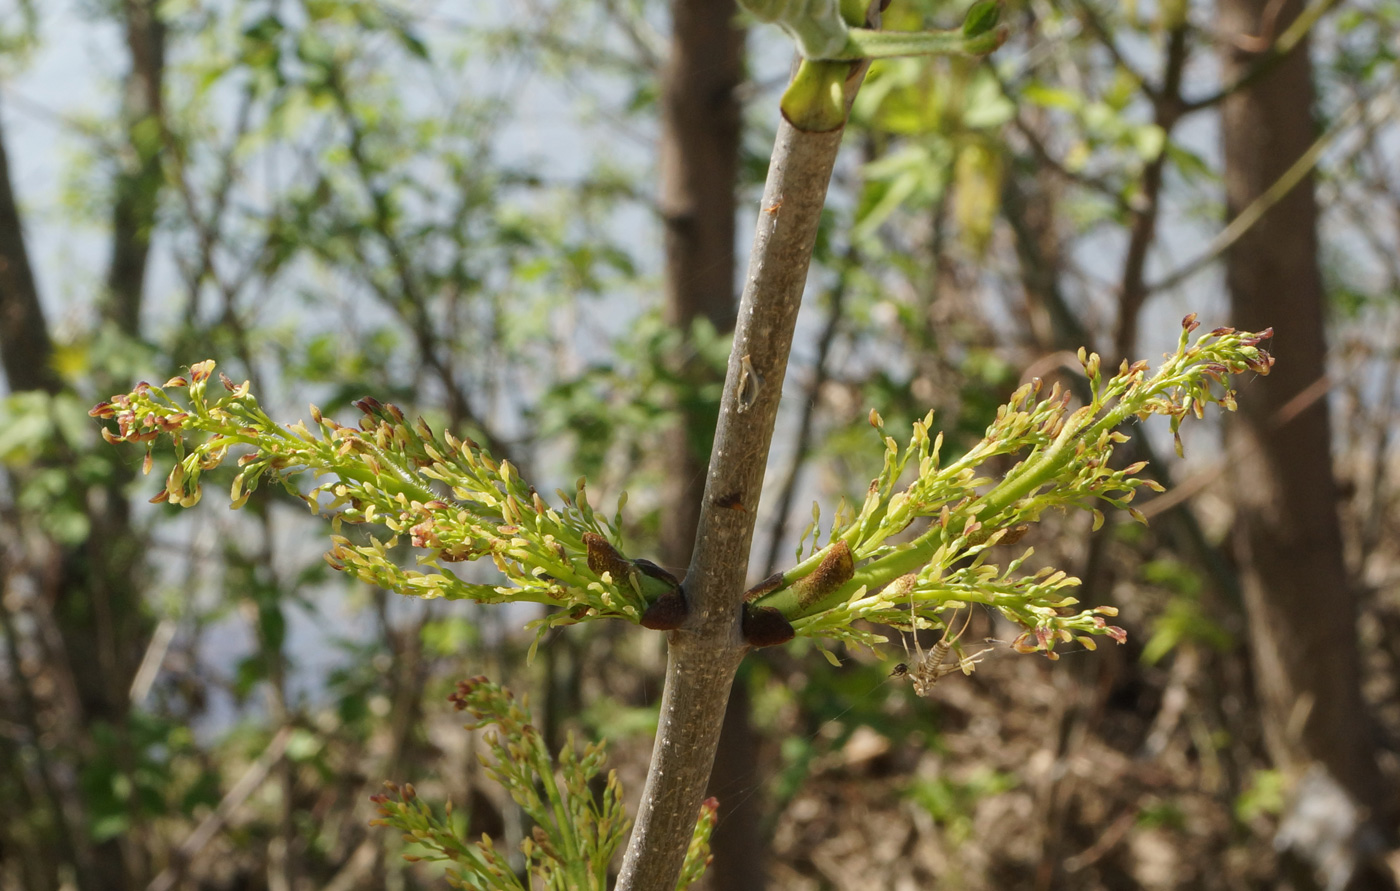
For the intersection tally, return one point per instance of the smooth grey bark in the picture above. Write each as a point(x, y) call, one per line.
point(705, 652)
point(1301, 606)
point(701, 125)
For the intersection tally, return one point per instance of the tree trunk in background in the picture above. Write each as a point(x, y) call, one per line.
point(701, 119)
point(137, 185)
point(90, 588)
point(699, 173)
point(1302, 611)
point(25, 348)
point(100, 606)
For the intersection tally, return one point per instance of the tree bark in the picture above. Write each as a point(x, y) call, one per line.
point(93, 585)
point(1302, 609)
point(25, 347)
point(704, 653)
point(701, 125)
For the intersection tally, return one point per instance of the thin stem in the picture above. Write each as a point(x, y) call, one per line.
point(1269, 58)
point(865, 43)
point(1166, 112)
point(1261, 205)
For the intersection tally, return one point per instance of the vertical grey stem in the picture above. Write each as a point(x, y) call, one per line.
point(706, 651)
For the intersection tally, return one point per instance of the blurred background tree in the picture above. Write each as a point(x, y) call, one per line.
point(520, 223)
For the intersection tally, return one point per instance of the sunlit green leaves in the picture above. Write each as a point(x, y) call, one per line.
point(950, 111)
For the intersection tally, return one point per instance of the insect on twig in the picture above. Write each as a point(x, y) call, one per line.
point(929, 667)
point(749, 383)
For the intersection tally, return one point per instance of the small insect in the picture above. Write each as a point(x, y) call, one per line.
point(774, 207)
point(928, 668)
point(732, 501)
point(749, 383)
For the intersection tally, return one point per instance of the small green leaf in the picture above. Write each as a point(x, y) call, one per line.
point(981, 18)
point(1149, 141)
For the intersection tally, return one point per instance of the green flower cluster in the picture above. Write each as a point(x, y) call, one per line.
point(916, 550)
point(575, 836)
point(913, 550)
point(448, 496)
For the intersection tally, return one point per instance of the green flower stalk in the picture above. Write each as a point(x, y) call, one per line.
point(446, 495)
point(575, 835)
point(862, 573)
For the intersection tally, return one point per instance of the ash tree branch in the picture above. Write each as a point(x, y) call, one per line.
point(706, 650)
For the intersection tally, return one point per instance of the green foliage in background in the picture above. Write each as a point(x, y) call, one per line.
point(575, 834)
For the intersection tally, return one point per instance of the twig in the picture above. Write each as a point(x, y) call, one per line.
point(418, 319)
point(205, 832)
point(150, 663)
point(1270, 56)
point(1098, 185)
point(1166, 111)
point(706, 651)
point(1107, 842)
point(1246, 219)
point(1090, 17)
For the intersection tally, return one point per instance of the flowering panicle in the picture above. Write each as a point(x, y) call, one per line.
point(447, 496)
point(575, 835)
point(1064, 463)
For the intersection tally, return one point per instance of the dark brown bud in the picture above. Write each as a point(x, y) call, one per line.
point(764, 626)
point(767, 586)
point(603, 557)
point(835, 570)
point(1014, 534)
point(732, 501)
point(667, 612)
